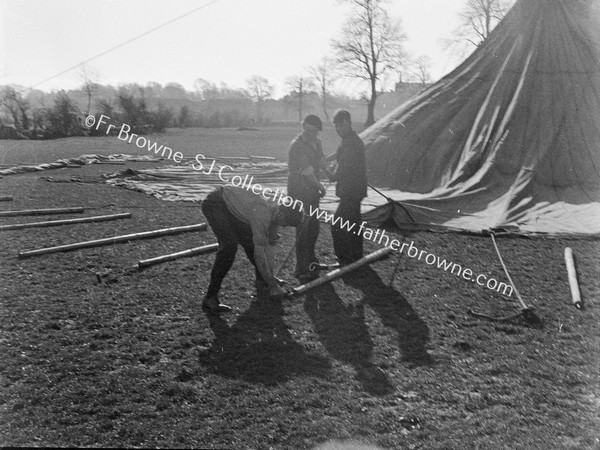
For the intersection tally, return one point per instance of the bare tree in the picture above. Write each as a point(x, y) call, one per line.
point(298, 87)
point(371, 44)
point(419, 69)
point(479, 18)
point(323, 77)
point(259, 89)
point(89, 77)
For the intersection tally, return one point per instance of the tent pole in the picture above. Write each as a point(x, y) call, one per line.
point(114, 240)
point(209, 248)
point(370, 258)
point(51, 223)
point(572, 273)
point(41, 212)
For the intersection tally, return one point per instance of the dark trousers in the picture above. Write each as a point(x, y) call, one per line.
point(306, 237)
point(230, 232)
point(347, 245)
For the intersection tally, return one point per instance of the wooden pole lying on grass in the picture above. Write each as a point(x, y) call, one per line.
point(266, 158)
point(370, 258)
point(6, 198)
point(41, 212)
point(232, 158)
point(114, 240)
point(209, 248)
point(575, 294)
point(51, 223)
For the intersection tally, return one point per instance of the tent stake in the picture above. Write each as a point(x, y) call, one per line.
point(51, 223)
point(41, 212)
point(170, 257)
point(114, 240)
point(370, 258)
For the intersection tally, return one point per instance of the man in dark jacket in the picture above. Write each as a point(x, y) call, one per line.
point(306, 162)
point(351, 188)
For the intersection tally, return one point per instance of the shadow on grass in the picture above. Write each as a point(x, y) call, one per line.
point(345, 335)
point(395, 312)
point(259, 348)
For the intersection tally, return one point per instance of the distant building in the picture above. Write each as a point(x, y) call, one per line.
point(410, 88)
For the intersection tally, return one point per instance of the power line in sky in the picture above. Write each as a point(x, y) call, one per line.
point(122, 44)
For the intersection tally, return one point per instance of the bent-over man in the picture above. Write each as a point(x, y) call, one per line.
point(351, 188)
point(240, 217)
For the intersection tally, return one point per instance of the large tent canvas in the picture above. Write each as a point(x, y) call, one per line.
point(509, 139)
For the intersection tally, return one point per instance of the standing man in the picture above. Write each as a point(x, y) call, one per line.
point(306, 160)
point(351, 188)
point(238, 216)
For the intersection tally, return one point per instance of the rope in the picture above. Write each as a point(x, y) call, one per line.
point(128, 41)
point(523, 304)
point(412, 219)
point(285, 260)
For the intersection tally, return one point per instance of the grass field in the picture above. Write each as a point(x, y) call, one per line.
point(272, 141)
point(388, 356)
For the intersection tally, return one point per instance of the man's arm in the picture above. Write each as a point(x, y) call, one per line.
point(324, 166)
point(265, 262)
point(309, 174)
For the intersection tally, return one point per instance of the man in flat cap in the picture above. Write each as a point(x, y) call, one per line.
point(306, 162)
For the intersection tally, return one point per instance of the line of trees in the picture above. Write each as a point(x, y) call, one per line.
point(64, 118)
point(370, 48)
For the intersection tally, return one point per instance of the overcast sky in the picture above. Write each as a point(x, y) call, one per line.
point(226, 41)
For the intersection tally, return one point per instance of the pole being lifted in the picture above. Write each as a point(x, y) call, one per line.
point(51, 223)
point(114, 240)
point(370, 258)
point(41, 212)
point(209, 248)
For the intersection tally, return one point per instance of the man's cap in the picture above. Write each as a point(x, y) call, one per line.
point(342, 114)
point(313, 120)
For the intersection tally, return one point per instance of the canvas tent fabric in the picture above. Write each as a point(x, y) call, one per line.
point(74, 162)
point(510, 139)
point(183, 183)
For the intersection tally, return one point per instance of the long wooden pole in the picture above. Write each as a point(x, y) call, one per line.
point(572, 273)
point(6, 198)
point(41, 212)
point(209, 248)
point(266, 158)
point(370, 258)
point(51, 223)
point(113, 240)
